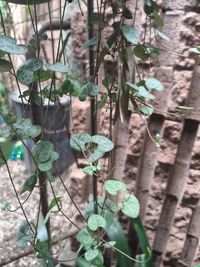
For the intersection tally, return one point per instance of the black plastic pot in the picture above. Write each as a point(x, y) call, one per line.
point(26, 2)
point(61, 116)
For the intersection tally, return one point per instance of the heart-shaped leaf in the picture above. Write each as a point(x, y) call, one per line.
point(103, 145)
point(95, 221)
point(88, 89)
point(103, 142)
point(5, 65)
point(78, 141)
point(143, 92)
point(153, 83)
point(25, 73)
point(141, 52)
point(91, 254)
point(25, 129)
point(10, 46)
point(89, 169)
point(23, 235)
point(71, 86)
point(85, 237)
point(131, 34)
point(44, 154)
point(113, 186)
point(130, 206)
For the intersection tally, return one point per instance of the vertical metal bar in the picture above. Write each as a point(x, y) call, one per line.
point(93, 116)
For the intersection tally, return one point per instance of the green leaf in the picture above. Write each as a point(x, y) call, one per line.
point(104, 145)
point(146, 110)
point(141, 52)
point(54, 156)
point(162, 36)
point(78, 141)
point(44, 154)
point(143, 241)
point(110, 244)
point(71, 86)
point(130, 206)
point(99, 260)
point(107, 81)
point(25, 129)
point(131, 34)
point(113, 186)
point(158, 19)
point(142, 92)
point(5, 65)
point(195, 50)
point(88, 89)
point(23, 234)
point(46, 166)
point(54, 202)
point(127, 13)
point(2, 54)
point(153, 83)
point(57, 67)
point(29, 184)
point(115, 233)
point(103, 142)
point(25, 73)
point(95, 221)
point(150, 6)
point(89, 169)
point(84, 237)
point(133, 86)
point(42, 75)
point(9, 45)
point(42, 150)
point(42, 247)
point(153, 50)
point(91, 254)
point(91, 42)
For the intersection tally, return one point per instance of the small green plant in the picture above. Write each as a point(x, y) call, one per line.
point(92, 237)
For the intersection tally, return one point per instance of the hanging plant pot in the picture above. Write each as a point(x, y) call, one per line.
point(26, 2)
point(56, 130)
